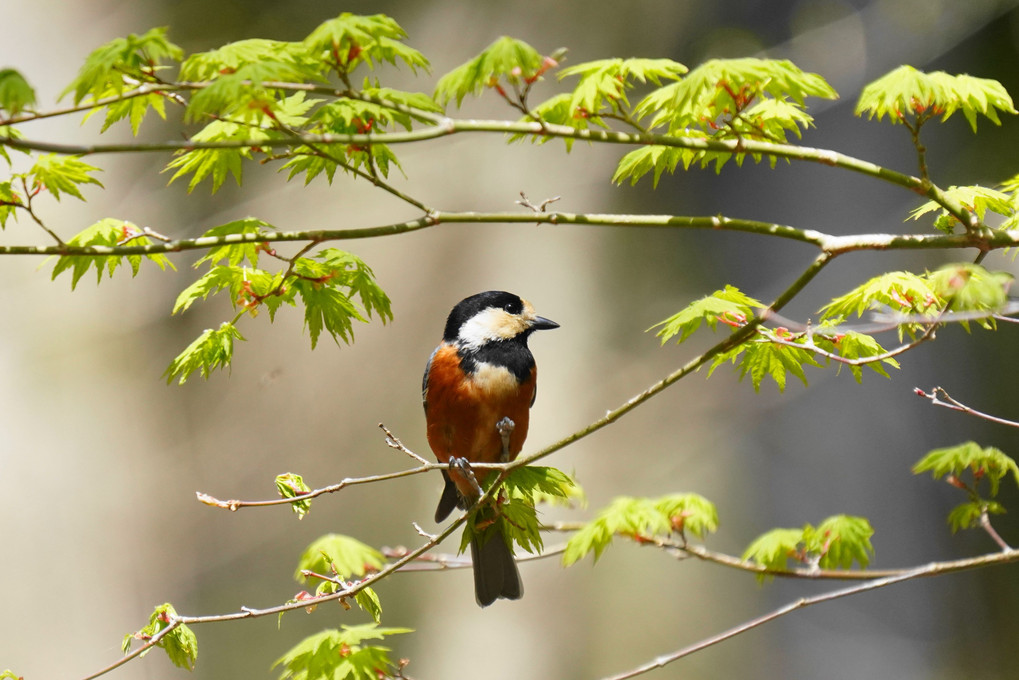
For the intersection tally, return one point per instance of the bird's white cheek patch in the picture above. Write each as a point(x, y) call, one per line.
point(488, 325)
point(492, 379)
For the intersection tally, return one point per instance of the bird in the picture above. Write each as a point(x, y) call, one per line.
point(478, 388)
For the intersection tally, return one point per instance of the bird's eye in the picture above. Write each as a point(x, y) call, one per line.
point(513, 307)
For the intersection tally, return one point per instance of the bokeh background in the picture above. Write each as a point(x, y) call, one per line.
point(100, 459)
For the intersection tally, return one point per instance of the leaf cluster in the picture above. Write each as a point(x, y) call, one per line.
point(16, 95)
point(107, 233)
point(336, 288)
point(51, 174)
point(340, 655)
point(777, 353)
point(642, 519)
point(338, 555)
point(513, 514)
point(966, 466)
point(291, 485)
point(251, 92)
point(180, 644)
point(334, 558)
point(507, 60)
point(722, 100)
point(835, 543)
point(908, 92)
point(977, 200)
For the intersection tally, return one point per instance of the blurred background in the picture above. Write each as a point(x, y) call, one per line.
point(100, 459)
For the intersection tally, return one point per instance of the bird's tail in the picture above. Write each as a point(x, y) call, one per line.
point(495, 571)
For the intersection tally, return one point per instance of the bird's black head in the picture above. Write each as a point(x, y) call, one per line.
point(492, 316)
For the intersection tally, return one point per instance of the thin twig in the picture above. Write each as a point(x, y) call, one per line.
point(394, 442)
point(801, 603)
point(939, 397)
point(172, 625)
point(985, 524)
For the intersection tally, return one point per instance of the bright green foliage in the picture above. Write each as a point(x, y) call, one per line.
point(536, 482)
point(291, 485)
point(339, 655)
point(716, 96)
point(729, 305)
point(840, 541)
point(513, 513)
point(217, 163)
point(291, 57)
point(353, 117)
point(602, 92)
point(62, 174)
point(249, 93)
point(116, 66)
point(239, 281)
point(16, 95)
point(236, 254)
point(134, 109)
point(604, 83)
point(641, 519)
point(368, 601)
point(976, 199)
point(180, 644)
point(514, 60)
point(853, 345)
point(8, 674)
point(773, 549)
point(969, 515)
point(960, 287)
point(243, 95)
point(349, 40)
point(1011, 185)
point(8, 132)
point(335, 558)
point(320, 282)
point(211, 350)
point(107, 233)
point(970, 288)
point(982, 463)
point(900, 291)
point(329, 285)
point(835, 543)
point(762, 359)
point(966, 466)
point(723, 99)
point(338, 555)
point(909, 92)
point(10, 201)
point(656, 158)
point(121, 66)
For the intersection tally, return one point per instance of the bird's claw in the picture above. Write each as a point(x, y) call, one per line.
point(505, 428)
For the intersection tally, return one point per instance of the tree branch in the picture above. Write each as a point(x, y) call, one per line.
point(935, 397)
point(801, 603)
point(445, 126)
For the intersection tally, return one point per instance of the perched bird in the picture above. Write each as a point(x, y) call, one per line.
point(478, 388)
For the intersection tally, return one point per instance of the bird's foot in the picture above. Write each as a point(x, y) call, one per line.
point(505, 428)
point(463, 466)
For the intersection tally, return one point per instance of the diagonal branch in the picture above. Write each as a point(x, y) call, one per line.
point(801, 603)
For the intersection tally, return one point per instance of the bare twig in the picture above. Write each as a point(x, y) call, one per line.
point(985, 524)
point(394, 442)
point(540, 208)
point(801, 603)
point(939, 397)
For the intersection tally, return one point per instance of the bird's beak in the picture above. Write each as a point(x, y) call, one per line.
point(540, 323)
